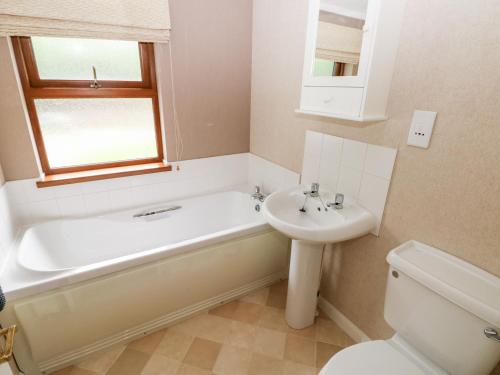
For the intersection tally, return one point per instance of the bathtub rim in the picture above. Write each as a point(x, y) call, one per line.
point(171, 247)
point(18, 282)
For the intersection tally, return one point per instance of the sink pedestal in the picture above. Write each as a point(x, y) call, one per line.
point(303, 283)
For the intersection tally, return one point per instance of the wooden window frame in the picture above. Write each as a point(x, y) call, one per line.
point(36, 88)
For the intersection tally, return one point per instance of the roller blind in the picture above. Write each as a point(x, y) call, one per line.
point(338, 43)
point(147, 21)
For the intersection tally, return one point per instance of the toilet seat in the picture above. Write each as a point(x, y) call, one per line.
point(371, 358)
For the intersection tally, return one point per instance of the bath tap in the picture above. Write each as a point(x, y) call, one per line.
point(258, 195)
point(314, 192)
point(339, 202)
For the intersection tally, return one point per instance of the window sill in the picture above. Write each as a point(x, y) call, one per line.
point(102, 174)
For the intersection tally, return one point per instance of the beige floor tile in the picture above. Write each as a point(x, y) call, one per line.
point(192, 370)
point(300, 350)
point(73, 371)
point(258, 297)
point(309, 332)
point(174, 345)
point(101, 363)
point(147, 344)
point(324, 352)
point(322, 314)
point(292, 368)
point(263, 365)
point(276, 299)
point(241, 335)
point(214, 328)
point(232, 361)
point(270, 343)
point(248, 312)
point(80, 371)
point(64, 371)
point(279, 287)
point(202, 353)
point(160, 365)
point(130, 362)
point(225, 311)
point(329, 332)
point(189, 326)
point(273, 318)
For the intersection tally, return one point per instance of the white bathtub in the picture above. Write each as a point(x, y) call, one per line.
point(75, 287)
point(63, 245)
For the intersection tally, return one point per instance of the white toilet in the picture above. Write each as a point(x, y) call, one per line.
point(446, 313)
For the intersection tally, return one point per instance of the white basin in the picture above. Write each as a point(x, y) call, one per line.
point(310, 231)
point(281, 210)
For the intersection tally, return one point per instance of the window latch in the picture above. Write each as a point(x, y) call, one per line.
point(95, 84)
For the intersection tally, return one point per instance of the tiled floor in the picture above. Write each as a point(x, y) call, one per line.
point(245, 337)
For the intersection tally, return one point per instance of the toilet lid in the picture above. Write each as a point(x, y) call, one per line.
point(371, 358)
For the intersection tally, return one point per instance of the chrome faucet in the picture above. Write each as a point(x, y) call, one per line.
point(258, 195)
point(314, 192)
point(339, 202)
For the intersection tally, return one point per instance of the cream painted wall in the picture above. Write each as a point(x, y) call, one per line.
point(211, 47)
point(446, 196)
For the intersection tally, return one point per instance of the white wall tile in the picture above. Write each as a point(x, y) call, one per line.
point(373, 195)
point(71, 206)
point(329, 170)
point(353, 154)
point(97, 203)
point(356, 169)
point(380, 161)
point(35, 194)
point(269, 176)
point(349, 182)
point(312, 158)
point(64, 191)
point(32, 205)
point(8, 225)
point(22, 212)
point(45, 210)
point(123, 198)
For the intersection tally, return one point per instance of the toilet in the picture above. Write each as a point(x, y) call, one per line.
point(446, 314)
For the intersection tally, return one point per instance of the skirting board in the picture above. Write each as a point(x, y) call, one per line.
point(162, 322)
point(342, 321)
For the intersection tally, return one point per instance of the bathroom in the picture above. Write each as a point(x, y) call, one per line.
point(249, 187)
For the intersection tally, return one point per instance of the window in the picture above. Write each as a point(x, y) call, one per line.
point(93, 104)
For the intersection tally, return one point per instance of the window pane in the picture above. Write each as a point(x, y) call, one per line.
point(323, 67)
point(72, 59)
point(91, 131)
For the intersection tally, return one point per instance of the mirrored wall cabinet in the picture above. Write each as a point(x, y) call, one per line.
point(349, 59)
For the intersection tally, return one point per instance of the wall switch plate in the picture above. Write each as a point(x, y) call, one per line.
point(421, 128)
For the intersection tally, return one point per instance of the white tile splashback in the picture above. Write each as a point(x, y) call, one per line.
point(31, 204)
point(269, 176)
point(7, 225)
point(358, 170)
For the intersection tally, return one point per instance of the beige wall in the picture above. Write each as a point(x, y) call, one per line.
point(211, 47)
point(2, 177)
point(446, 196)
point(16, 152)
point(212, 54)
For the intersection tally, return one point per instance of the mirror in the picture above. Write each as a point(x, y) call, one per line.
point(339, 37)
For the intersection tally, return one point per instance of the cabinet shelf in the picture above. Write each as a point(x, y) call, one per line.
point(340, 116)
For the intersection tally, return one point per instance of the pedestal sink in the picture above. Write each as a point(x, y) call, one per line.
point(310, 229)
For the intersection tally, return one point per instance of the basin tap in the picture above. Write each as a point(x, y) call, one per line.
point(314, 192)
point(258, 195)
point(339, 202)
